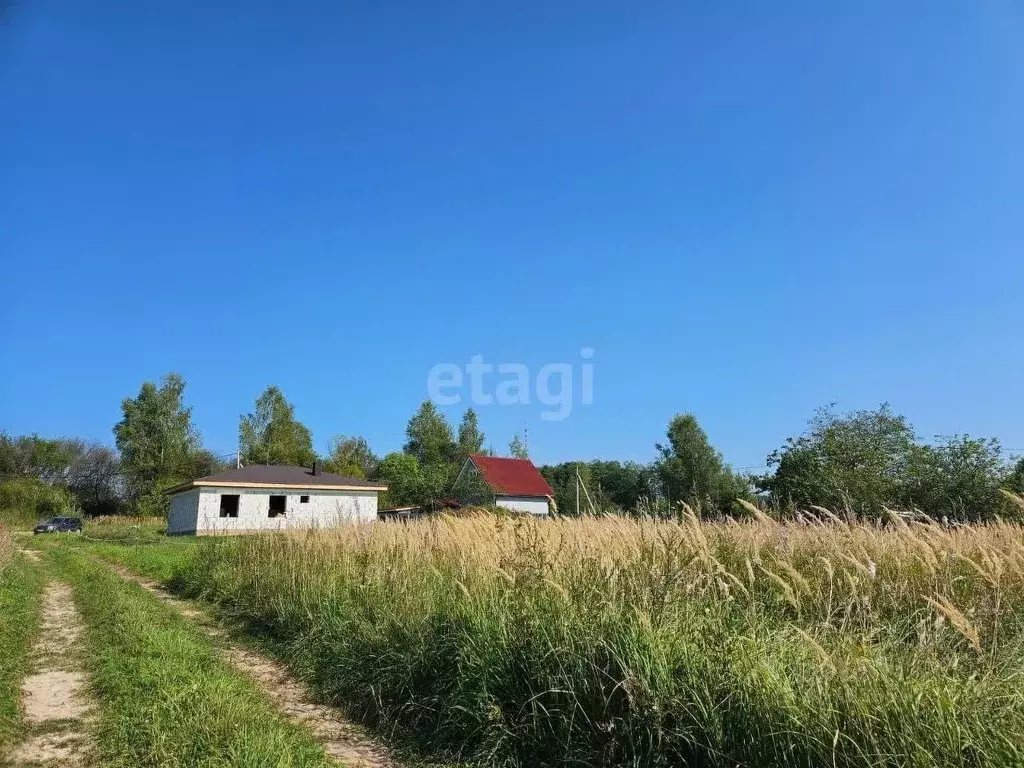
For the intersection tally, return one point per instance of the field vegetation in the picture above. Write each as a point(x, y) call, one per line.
point(618, 641)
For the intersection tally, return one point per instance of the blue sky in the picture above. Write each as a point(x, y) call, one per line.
point(747, 210)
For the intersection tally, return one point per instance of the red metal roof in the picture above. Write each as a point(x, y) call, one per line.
point(512, 477)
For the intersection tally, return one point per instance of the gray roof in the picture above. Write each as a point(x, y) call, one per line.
point(291, 477)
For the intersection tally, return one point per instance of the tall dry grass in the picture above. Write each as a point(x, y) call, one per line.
point(622, 642)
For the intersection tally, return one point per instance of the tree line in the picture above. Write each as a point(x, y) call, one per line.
point(858, 464)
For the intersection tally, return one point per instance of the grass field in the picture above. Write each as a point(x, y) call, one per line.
point(607, 641)
point(618, 642)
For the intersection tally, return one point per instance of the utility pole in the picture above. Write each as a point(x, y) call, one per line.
point(590, 501)
point(577, 490)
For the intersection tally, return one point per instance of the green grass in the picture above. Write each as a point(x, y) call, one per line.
point(139, 543)
point(166, 697)
point(20, 590)
point(159, 561)
point(614, 642)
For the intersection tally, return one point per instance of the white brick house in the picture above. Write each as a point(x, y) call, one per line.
point(260, 498)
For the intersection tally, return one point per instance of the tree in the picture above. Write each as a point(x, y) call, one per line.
point(958, 478)
point(429, 436)
point(691, 471)
point(34, 456)
point(205, 462)
point(1014, 481)
point(471, 439)
point(401, 472)
point(157, 441)
point(517, 448)
point(866, 461)
point(272, 435)
point(621, 484)
point(94, 477)
point(562, 479)
point(350, 456)
point(855, 462)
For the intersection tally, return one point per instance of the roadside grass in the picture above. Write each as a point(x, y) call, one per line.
point(126, 529)
point(138, 543)
point(21, 585)
point(166, 697)
point(161, 561)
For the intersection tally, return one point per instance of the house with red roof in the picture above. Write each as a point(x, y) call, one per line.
point(514, 484)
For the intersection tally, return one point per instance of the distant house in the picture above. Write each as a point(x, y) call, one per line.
point(510, 483)
point(258, 498)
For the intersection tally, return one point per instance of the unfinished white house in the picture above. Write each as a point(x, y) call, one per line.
point(261, 498)
point(514, 484)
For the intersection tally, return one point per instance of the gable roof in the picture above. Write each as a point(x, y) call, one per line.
point(264, 476)
point(511, 477)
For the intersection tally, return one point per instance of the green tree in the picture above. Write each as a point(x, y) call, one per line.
point(157, 442)
point(471, 439)
point(691, 471)
point(33, 456)
point(272, 435)
point(517, 448)
point(350, 456)
point(855, 462)
point(958, 478)
point(1014, 481)
point(401, 472)
point(429, 436)
point(562, 479)
point(622, 485)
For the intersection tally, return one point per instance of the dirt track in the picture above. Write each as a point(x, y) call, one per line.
point(56, 704)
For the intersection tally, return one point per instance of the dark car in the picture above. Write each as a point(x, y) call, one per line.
point(59, 525)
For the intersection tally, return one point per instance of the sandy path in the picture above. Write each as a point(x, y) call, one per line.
point(343, 740)
point(55, 698)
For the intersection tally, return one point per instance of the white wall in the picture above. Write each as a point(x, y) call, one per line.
point(325, 509)
point(530, 504)
point(184, 512)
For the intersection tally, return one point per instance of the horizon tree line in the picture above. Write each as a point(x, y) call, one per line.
point(858, 464)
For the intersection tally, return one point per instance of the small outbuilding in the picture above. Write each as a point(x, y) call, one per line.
point(514, 484)
point(260, 498)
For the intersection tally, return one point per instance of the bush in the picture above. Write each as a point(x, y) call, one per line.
point(25, 500)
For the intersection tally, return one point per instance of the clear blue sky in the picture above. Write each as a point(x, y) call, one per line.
point(746, 209)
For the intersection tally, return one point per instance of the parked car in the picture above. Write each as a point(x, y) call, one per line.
point(59, 525)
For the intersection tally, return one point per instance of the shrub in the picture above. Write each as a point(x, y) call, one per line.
point(24, 500)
